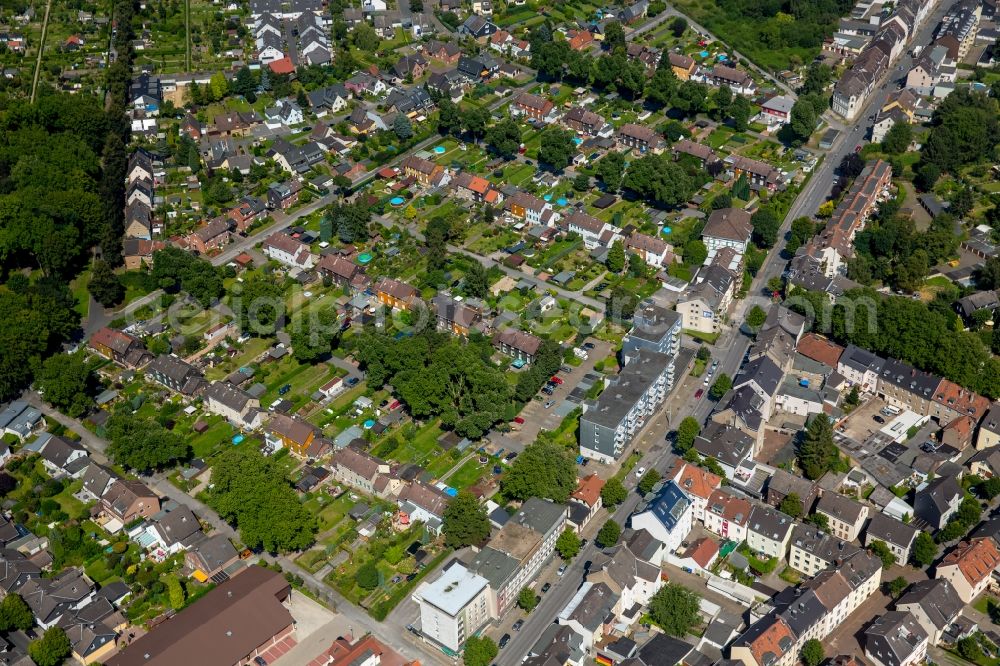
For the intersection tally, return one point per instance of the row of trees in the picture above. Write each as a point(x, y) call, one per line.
point(908, 330)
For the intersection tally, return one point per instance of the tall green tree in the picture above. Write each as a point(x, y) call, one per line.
point(611, 170)
point(756, 317)
point(817, 454)
point(504, 138)
point(720, 387)
point(766, 225)
point(67, 382)
point(812, 653)
point(613, 493)
point(568, 544)
point(674, 608)
point(543, 469)
point(465, 521)
point(142, 444)
point(648, 480)
point(883, 552)
point(609, 534)
point(616, 257)
point(556, 148)
point(687, 431)
point(792, 505)
point(802, 121)
point(52, 649)
point(104, 285)
point(740, 111)
point(479, 651)
point(15, 613)
point(526, 600)
point(477, 283)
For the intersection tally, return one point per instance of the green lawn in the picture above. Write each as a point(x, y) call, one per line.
point(468, 474)
point(79, 288)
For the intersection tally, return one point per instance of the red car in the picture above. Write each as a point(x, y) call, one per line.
point(519, 420)
point(556, 380)
point(857, 148)
point(699, 393)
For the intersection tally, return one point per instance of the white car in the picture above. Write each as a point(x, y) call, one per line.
point(561, 571)
point(640, 471)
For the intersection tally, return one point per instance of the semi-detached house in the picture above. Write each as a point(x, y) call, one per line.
point(234, 404)
point(534, 107)
point(595, 233)
point(288, 251)
point(969, 567)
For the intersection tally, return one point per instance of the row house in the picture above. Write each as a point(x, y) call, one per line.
point(423, 171)
point(476, 189)
point(760, 175)
point(896, 638)
point(454, 316)
point(699, 151)
point(727, 515)
point(585, 121)
point(534, 107)
point(649, 57)
point(812, 550)
point(653, 251)
point(810, 611)
point(138, 252)
point(235, 405)
point(120, 347)
point(139, 223)
point(289, 252)
point(213, 235)
point(176, 374)
point(517, 344)
point(723, 75)
point(125, 501)
point(769, 531)
point(585, 501)
point(446, 52)
point(296, 435)
point(895, 534)
point(535, 211)
point(395, 294)
point(958, 28)
point(698, 484)
point(934, 604)
point(641, 138)
point(595, 233)
point(845, 516)
point(339, 269)
point(705, 305)
point(933, 68)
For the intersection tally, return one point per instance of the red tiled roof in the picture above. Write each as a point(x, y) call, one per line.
point(820, 349)
point(588, 490)
point(282, 66)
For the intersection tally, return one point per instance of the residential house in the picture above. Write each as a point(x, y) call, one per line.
point(587, 496)
point(760, 175)
point(534, 107)
point(62, 457)
point(119, 347)
point(777, 111)
point(478, 27)
point(698, 484)
point(727, 515)
point(938, 500)
point(446, 52)
point(475, 189)
point(331, 99)
point(969, 567)
point(479, 68)
point(653, 251)
point(289, 252)
point(934, 604)
point(234, 404)
point(641, 138)
point(175, 374)
point(728, 446)
point(338, 269)
point(896, 639)
point(895, 534)
point(860, 368)
point(782, 484)
point(727, 227)
point(424, 171)
point(683, 66)
point(211, 236)
point(845, 516)
point(454, 316)
point(988, 434)
point(533, 210)
point(362, 471)
point(127, 501)
point(395, 294)
point(812, 550)
point(769, 531)
point(723, 75)
point(667, 517)
point(705, 305)
point(282, 196)
point(284, 113)
point(699, 151)
point(419, 501)
point(292, 433)
point(596, 233)
point(583, 121)
point(209, 558)
point(589, 613)
point(517, 344)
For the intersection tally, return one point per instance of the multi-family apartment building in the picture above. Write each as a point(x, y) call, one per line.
point(969, 567)
point(845, 516)
point(641, 138)
point(895, 534)
point(812, 550)
point(769, 531)
point(453, 607)
point(727, 515)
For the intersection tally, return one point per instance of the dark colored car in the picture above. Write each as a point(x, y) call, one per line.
point(878, 419)
point(284, 389)
point(503, 641)
point(353, 381)
point(517, 625)
point(546, 587)
point(260, 661)
point(588, 345)
point(699, 393)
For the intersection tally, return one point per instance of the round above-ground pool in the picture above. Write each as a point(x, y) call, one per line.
point(668, 230)
point(704, 54)
point(364, 257)
point(397, 201)
point(369, 424)
point(450, 492)
point(238, 438)
point(439, 150)
point(547, 197)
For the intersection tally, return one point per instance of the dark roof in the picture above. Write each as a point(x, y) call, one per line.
point(664, 650)
point(938, 599)
point(891, 531)
point(724, 443)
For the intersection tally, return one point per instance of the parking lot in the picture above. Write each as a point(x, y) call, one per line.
point(861, 424)
point(537, 417)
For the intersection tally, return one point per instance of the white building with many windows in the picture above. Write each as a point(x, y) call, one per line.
point(453, 607)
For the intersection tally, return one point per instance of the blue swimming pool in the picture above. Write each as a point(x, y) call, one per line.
point(451, 492)
point(369, 424)
point(397, 201)
point(561, 201)
point(704, 54)
point(547, 197)
point(364, 258)
point(577, 140)
point(238, 438)
point(439, 150)
point(667, 230)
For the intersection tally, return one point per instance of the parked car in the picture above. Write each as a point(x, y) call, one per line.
point(556, 379)
point(588, 345)
point(517, 625)
point(519, 420)
point(549, 404)
point(503, 641)
point(640, 471)
point(699, 393)
point(260, 661)
point(567, 369)
point(546, 587)
point(878, 419)
point(284, 389)
point(353, 381)
point(561, 571)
